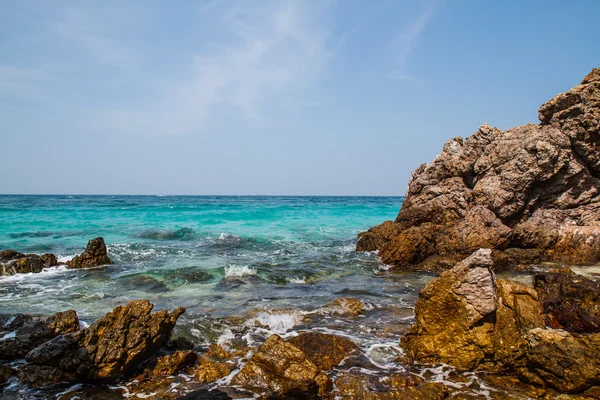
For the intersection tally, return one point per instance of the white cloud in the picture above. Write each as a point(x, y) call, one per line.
point(276, 52)
point(405, 43)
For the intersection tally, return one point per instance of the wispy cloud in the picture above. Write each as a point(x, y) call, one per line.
point(405, 42)
point(276, 53)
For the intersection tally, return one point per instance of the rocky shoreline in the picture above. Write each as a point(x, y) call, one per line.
point(497, 201)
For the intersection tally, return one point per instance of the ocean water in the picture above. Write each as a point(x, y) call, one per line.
point(244, 267)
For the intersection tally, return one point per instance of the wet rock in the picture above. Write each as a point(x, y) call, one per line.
point(146, 283)
point(571, 302)
point(325, 351)
point(49, 260)
point(204, 394)
point(171, 363)
point(563, 361)
point(31, 332)
point(108, 349)
point(280, 370)
point(535, 188)
point(468, 319)
point(356, 385)
point(95, 254)
point(347, 305)
point(210, 371)
point(12, 263)
point(5, 373)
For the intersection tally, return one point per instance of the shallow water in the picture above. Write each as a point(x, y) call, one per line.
point(243, 267)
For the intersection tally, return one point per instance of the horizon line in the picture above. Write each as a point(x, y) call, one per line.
point(199, 195)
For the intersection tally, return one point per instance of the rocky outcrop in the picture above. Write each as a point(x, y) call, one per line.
point(108, 349)
point(95, 254)
point(22, 333)
point(12, 262)
point(469, 319)
point(534, 187)
point(398, 386)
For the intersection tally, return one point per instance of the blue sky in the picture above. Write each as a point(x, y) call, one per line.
point(339, 97)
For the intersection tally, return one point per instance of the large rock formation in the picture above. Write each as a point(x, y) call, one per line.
point(468, 319)
point(533, 189)
point(110, 348)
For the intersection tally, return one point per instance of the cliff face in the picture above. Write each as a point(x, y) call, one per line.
point(531, 192)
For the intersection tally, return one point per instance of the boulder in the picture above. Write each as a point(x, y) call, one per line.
point(12, 262)
point(571, 302)
point(26, 332)
point(109, 348)
point(534, 188)
point(469, 319)
point(209, 371)
point(95, 255)
point(279, 369)
point(325, 351)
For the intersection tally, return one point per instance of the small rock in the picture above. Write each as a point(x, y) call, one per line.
point(347, 305)
point(210, 371)
point(5, 373)
point(171, 363)
point(95, 255)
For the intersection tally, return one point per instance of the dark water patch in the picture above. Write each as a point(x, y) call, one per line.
point(184, 234)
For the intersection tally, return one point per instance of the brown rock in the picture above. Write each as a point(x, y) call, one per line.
point(467, 319)
point(560, 360)
point(534, 187)
point(171, 363)
point(325, 351)
point(5, 373)
point(279, 369)
point(95, 254)
point(210, 371)
point(111, 347)
point(571, 302)
point(355, 385)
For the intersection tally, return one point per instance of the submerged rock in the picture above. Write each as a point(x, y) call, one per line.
point(110, 348)
point(27, 332)
point(95, 254)
point(531, 187)
point(468, 319)
point(5, 373)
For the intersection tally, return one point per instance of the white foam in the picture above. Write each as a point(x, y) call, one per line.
point(45, 273)
point(278, 323)
point(237, 271)
point(64, 259)
point(296, 280)
point(8, 335)
point(226, 337)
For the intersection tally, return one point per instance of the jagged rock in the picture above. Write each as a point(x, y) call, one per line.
point(31, 331)
point(468, 319)
point(571, 302)
point(325, 351)
point(5, 373)
point(568, 363)
point(171, 363)
point(281, 370)
point(210, 371)
point(95, 254)
point(12, 262)
point(531, 187)
point(109, 348)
